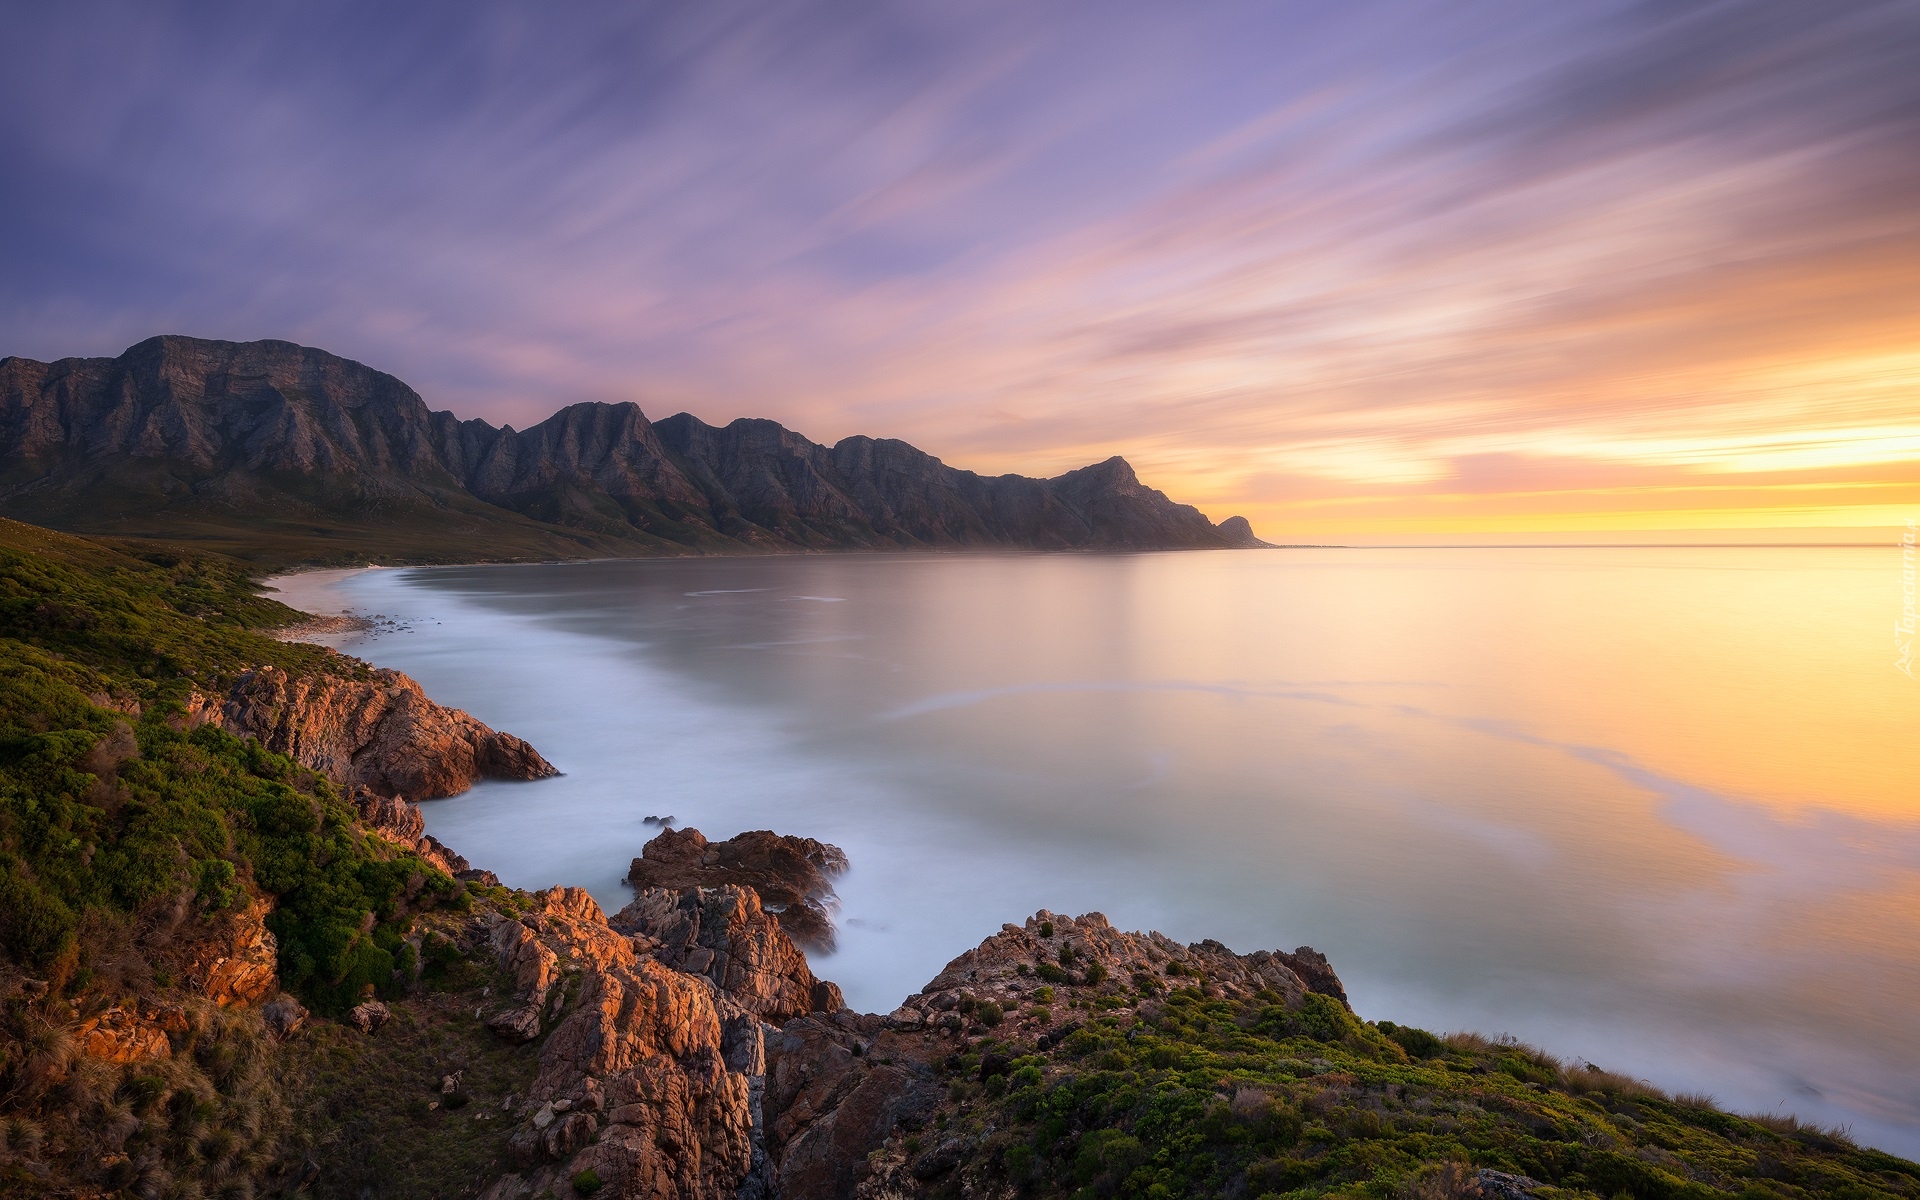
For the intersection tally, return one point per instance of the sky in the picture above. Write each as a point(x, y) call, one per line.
point(1473, 269)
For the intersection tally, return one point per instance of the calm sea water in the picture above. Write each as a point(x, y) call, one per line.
point(1658, 809)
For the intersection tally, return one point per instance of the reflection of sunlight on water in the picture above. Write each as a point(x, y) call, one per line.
point(1646, 809)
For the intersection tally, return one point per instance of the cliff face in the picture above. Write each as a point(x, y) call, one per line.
point(380, 733)
point(273, 444)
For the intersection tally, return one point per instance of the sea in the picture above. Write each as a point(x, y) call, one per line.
point(1653, 808)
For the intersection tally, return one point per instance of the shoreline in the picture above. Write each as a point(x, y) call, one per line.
point(305, 583)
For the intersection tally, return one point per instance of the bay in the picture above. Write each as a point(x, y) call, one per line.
point(1654, 808)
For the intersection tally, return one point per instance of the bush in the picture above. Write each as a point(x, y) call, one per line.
point(587, 1182)
point(36, 928)
point(1416, 1042)
point(989, 1014)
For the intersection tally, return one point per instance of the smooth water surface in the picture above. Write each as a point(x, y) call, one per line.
point(1654, 808)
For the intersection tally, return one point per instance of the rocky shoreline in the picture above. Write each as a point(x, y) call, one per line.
point(685, 1046)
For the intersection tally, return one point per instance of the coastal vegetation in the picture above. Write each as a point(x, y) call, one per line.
point(132, 835)
point(115, 804)
point(1190, 1094)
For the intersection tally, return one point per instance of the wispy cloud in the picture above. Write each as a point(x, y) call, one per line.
point(1357, 249)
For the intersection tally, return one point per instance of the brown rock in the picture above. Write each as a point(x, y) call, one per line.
point(119, 1035)
point(830, 1102)
point(1018, 958)
point(722, 933)
point(380, 732)
point(369, 1016)
point(793, 875)
point(401, 823)
point(642, 1073)
point(235, 960)
point(1315, 971)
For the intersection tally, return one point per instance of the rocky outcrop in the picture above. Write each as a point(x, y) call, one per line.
point(648, 1076)
point(725, 936)
point(230, 960)
point(837, 1090)
point(793, 875)
point(379, 732)
point(234, 435)
point(1054, 950)
point(235, 961)
point(400, 822)
point(129, 1034)
point(671, 1082)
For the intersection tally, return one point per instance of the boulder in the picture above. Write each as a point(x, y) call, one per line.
point(723, 934)
point(792, 875)
point(284, 1016)
point(369, 1016)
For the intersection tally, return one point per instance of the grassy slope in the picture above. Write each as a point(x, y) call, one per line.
point(126, 836)
point(274, 523)
point(1206, 1097)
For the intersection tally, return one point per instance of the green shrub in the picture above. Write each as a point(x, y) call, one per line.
point(35, 927)
point(989, 1014)
point(587, 1182)
point(1416, 1042)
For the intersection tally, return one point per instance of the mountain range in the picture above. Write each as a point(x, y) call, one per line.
point(283, 453)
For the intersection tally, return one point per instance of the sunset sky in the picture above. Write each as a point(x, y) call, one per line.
point(1369, 270)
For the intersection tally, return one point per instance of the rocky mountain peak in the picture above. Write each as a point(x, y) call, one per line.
point(245, 441)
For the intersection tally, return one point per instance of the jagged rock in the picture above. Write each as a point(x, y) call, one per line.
point(1052, 947)
point(829, 1107)
point(793, 875)
point(401, 823)
point(230, 960)
point(722, 933)
point(380, 732)
point(369, 1016)
point(1315, 971)
point(120, 1035)
point(389, 816)
point(234, 961)
point(642, 1074)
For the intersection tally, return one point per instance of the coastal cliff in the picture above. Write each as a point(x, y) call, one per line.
point(284, 453)
point(380, 732)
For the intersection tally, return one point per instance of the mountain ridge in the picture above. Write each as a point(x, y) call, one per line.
point(280, 451)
